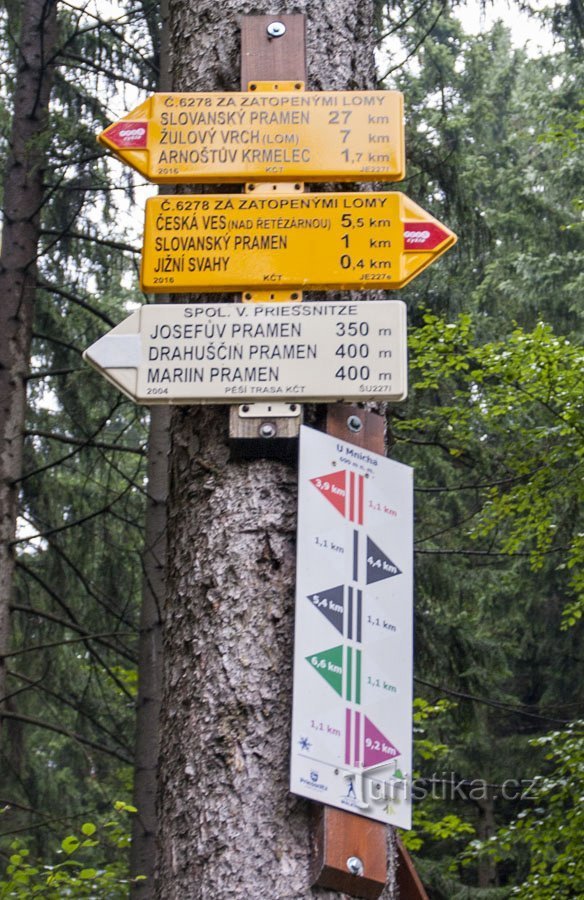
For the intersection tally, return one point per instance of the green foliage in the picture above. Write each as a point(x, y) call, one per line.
point(87, 863)
point(493, 423)
point(493, 428)
point(516, 403)
point(476, 108)
point(72, 684)
point(429, 820)
point(551, 827)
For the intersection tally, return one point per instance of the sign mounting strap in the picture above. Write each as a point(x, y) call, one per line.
point(269, 420)
point(285, 187)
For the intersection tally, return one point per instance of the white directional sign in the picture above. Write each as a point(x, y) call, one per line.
point(353, 658)
point(240, 352)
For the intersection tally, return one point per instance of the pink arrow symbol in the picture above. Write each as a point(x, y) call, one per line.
point(423, 235)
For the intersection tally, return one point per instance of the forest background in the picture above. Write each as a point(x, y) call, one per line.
point(493, 427)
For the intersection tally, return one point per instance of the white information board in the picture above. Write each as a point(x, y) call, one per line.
point(353, 657)
point(242, 352)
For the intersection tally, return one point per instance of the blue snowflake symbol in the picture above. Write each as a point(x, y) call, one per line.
point(304, 743)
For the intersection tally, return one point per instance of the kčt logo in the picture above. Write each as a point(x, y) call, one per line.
point(416, 237)
point(314, 776)
point(129, 135)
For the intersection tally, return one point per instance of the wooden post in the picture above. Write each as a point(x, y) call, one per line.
point(408, 881)
point(337, 835)
point(270, 430)
point(340, 835)
point(266, 58)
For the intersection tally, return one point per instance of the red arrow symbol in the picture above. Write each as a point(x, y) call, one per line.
point(423, 235)
point(128, 135)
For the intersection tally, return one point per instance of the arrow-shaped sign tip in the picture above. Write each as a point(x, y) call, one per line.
point(125, 135)
point(115, 351)
point(426, 236)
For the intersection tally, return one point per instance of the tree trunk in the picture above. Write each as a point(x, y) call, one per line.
point(486, 828)
point(228, 825)
point(23, 199)
point(143, 847)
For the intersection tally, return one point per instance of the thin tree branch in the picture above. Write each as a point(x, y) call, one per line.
point(22, 690)
point(102, 445)
point(78, 301)
point(59, 600)
point(121, 650)
point(90, 65)
point(73, 453)
point(39, 336)
point(75, 524)
point(104, 242)
point(496, 704)
point(79, 708)
point(39, 723)
point(87, 587)
point(52, 373)
point(488, 553)
point(63, 643)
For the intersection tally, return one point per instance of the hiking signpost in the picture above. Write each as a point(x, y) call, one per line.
point(244, 352)
point(311, 241)
point(351, 728)
point(352, 711)
point(262, 135)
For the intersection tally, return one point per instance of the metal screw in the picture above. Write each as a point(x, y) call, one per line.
point(354, 423)
point(267, 430)
point(276, 29)
point(355, 865)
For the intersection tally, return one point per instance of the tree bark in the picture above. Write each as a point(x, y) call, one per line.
point(143, 847)
point(23, 200)
point(486, 828)
point(228, 826)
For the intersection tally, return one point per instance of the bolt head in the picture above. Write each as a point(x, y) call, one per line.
point(354, 423)
point(267, 430)
point(355, 865)
point(276, 29)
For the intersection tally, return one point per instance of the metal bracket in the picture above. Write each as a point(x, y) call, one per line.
point(267, 429)
point(263, 410)
point(275, 86)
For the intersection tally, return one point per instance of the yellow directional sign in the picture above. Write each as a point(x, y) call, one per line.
point(311, 241)
point(264, 136)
